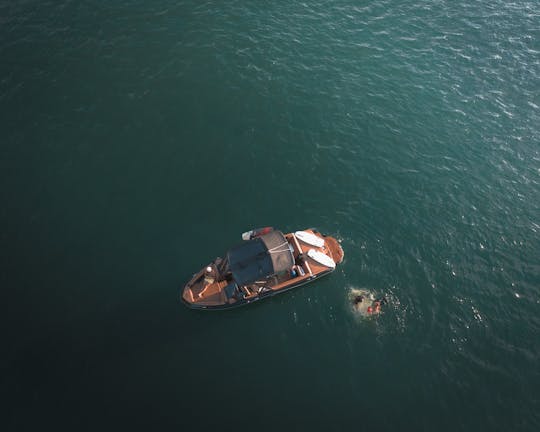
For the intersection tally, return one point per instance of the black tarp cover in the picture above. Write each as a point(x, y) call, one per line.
point(259, 258)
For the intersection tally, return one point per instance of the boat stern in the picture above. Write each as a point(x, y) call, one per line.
point(335, 248)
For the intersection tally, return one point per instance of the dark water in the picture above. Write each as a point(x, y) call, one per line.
point(139, 139)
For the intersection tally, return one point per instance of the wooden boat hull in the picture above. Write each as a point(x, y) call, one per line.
point(215, 287)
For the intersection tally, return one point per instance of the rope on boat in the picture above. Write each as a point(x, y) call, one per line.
point(276, 249)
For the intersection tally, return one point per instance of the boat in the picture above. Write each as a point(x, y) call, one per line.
point(266, 263)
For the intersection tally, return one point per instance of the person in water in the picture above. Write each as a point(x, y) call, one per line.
point(375, 307)
point(359, 303)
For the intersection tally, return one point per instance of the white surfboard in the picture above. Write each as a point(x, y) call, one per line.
point(309, 238)
point(321, 258)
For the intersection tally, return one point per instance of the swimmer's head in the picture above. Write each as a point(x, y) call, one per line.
point(358, 299)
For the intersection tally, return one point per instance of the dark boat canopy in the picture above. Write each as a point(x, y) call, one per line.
point(260, 257)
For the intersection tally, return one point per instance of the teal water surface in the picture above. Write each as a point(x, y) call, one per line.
point(140, 139)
